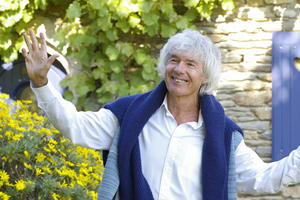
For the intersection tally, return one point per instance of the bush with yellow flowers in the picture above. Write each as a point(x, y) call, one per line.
point(37, 162)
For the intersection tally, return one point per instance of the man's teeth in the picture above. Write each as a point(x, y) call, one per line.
point(180, 81)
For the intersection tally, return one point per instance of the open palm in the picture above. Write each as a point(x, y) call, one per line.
point(37, 61)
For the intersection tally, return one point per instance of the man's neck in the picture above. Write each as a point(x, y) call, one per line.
point(184, 109)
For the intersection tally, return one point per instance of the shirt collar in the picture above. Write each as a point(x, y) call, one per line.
point(194, 125)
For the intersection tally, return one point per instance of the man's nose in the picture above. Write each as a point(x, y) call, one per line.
point(180, 67)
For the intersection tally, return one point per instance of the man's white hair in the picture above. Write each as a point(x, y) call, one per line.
point(199, 46)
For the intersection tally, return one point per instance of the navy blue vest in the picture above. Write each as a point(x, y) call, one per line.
point(133, 113)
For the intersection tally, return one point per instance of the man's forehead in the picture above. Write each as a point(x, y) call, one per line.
point(188, 54)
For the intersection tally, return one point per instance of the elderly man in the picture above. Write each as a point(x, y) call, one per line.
point(172, 143)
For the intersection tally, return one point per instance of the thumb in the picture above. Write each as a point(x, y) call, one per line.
point(51, 59)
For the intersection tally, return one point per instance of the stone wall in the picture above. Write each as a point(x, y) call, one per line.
point(245, 39)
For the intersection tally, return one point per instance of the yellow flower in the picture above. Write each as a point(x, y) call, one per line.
point(26, 154)
point(40, 157)
point(28, 166)
point(4, 96)
point(27, 101)
point(20, 185)
point(4, 176)
point(21, 129)
point(4, 196)
point(38, 172)
point(9, 134)
point(92, 194)
point(44, 131)
point(38, 117)
point(47, 169)
point(56, 196)
point(17, 137)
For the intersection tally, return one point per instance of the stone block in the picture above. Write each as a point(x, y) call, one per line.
point(231, 45)
point(237, 76)
point(266, 135)
point(253, 98)
point(246, 119)
point(258, 143)
point(285, 12)
point(263, 113)
point(265, 76)
point(291, 192)
point(231, 58)
point(256, 67)
point(227, 103)
point(237, 26)
point(252, 51)
point(259, 126)
point(251, 135)
point(243, 36)
point(276, 2)
point(217, 37)
point(255, 13)
point(271, 26)
point(254, 85)
point(255, 2)
point(264, 151)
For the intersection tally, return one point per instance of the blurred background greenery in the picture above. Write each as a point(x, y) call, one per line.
point(115, 43)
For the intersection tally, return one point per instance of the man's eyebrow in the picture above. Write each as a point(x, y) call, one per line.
point(188, 60)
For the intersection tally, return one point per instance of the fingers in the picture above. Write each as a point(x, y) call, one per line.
point(43, 42)
point(24, 53)
point(27, 41)
point(35, 44)
point(51, 59)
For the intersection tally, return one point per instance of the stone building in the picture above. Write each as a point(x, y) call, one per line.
point(245, 39)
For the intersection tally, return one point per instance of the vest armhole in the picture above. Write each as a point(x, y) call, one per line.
point(237, 138)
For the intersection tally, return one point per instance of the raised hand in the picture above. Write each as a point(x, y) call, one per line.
point(37, 61)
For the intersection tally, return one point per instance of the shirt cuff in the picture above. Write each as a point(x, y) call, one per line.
point(45, 93)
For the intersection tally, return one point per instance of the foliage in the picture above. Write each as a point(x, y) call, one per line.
point(117, 41)
point(37, 162)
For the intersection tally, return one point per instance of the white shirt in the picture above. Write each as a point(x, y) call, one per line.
point(170, 153)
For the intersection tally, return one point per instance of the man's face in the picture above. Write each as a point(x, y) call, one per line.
point(184, 75)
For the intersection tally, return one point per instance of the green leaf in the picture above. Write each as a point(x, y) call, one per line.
point(82, 89)
point(146, 5)
point(40, 4)
point(123, 25)
point(191, 14)
point(205, 10)
point(112, 52)
point(134, 21)
point(116, 66)
point(96, 4)
point(167, 7)
point(140, 56)
point(167, 30)
point(112, 34)
point(127, 49)
point(191, 3)
point(152, 30)
point(68, 95)
point(150, 18)
point(74, 10)
point(182, 23)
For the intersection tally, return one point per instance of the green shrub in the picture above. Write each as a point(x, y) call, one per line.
point(37, 162)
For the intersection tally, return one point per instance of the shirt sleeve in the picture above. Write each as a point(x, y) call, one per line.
point(90, 129)
point(257, 177)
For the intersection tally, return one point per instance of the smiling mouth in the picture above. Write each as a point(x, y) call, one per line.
point(177, 80)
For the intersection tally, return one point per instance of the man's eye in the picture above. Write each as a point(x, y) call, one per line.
point(173, 60)
point(190, 64)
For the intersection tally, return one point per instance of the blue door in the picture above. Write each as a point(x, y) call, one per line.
point(285, 93)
